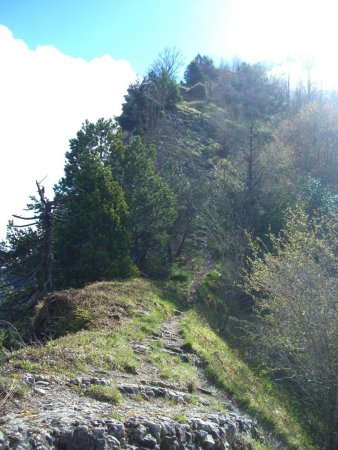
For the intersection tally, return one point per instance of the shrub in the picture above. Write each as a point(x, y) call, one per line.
point(197, 92)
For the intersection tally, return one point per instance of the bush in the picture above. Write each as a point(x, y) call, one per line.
point(197, 92)
point(295, 287)
point(183, 91)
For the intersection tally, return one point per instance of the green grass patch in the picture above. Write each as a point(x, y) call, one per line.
point(85, 351)
point(29, 366)
point(172, 367)
point(193, 400)
point(255, 394)
point(262, 446)
point(104, 394)
point(180, 418)
point(104, 344)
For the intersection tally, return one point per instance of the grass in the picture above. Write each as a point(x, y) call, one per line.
point(261, 446)
point(10, 387)
point(180, 418)
point(104, 394)
point(28, 366)
point(104, 343)
point(253, 393)
point(193, 400)
point(84, 351)
point(172, 367)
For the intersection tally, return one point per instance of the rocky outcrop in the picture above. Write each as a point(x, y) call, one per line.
point(209, 432)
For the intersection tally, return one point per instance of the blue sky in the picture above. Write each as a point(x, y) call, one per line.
point(136, 30)
point(65, 61)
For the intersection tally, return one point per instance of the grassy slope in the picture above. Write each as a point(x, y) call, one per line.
point(103, 340)
point(254, 394)
point(104, 344)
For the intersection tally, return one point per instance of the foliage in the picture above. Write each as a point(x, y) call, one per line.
point(26, 258)
point(199, 70)
point(151, 204)
point(295, 284)
point(254, 393)
point(146, 101)
point(119, 206)
point(93, 243)
point(312, 136)
point(249, 91)
point(197, 92)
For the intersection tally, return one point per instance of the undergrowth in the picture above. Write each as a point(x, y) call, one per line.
point(256, 395)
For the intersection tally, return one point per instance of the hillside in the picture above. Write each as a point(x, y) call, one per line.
point(180, 288)
point(129, 367)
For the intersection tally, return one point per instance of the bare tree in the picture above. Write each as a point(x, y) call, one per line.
point(27, 257)
point(170, 60)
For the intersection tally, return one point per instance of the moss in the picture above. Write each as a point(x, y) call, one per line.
point(74, 322)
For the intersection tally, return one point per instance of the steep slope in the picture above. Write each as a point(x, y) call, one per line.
point(192, 136)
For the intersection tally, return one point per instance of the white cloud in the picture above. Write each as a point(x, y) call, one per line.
point(45, 96)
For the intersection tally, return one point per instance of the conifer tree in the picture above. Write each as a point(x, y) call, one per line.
point(151, 204)
point(94, 243)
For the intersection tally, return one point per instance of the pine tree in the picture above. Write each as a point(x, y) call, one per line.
point(94, 242)
point(151, 204)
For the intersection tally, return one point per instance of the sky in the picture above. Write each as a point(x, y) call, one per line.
point(65, 61)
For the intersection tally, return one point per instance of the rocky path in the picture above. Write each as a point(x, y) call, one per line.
point(155, 411)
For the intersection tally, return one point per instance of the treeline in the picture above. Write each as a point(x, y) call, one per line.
point(261, 196)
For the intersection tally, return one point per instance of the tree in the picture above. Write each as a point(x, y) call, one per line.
point(311, 136)
point(146, 101)
point(117, 191)
point(254, 99)
point(26, 258)
point(188, 204)
point(295, 287)
point(94, 242)
point(151, 204)
point(169, 61)
point(200, 70)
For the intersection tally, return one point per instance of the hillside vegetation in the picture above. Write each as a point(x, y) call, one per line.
point(97, 332)
point(230, 170)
